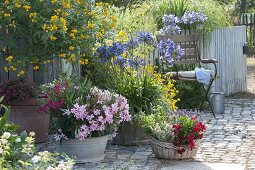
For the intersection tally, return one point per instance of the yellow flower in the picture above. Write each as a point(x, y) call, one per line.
point(9, 58)
point(53, 27)
point(22, 72)
point(92, 14)
point(27, 7)
point(99, 4)
point(6, 69)
point(6, 1)
point(106, 12)
point(90, 25)
point(83, 62)
point(121, 34)
point(65, 14)
point(4, 49)
point(36, 67)
point(17, 5)
point(52, 38)
point(31, 15)
point(62, 55)
point(54, 18)
point(57, 11)
point(86, 61)
point(63, 21)
point(99, 35)
point(7, 15)
point(112, 17)
point(44, 27)
point(71, 58)
point(13, 68)
point(74, 31)
point(66, 4)
point(71, 48)
point(72, 35)
point(53, 1)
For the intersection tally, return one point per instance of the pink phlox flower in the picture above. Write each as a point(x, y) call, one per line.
point(115, 108)
point(93, 126)
point(59, 135)
point(125, 116)
point(84, 132)
point(101, 127)
point(89, 117)
point(79, 112)
point(96, 112)
point(109, 118)
point(100, 119)
point(107, 110)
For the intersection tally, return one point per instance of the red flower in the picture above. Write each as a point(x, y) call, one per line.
point(200, 136)
point(192, 145)
point(190, 138)
point(180, 150)
point(194, 118)
point(199, 127)
point(176, 128)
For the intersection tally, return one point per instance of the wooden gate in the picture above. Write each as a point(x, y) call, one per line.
point(249, 21)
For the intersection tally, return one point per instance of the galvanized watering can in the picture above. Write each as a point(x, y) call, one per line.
point(217, 99)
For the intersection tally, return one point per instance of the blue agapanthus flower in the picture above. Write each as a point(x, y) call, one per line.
point(136, 62)
point(193, 17)
point(132, 44)
point(170, 25)
point(170, 20)
point(145, 37)
point(103, 53)
point(121, 61)
point(116, 49)
point(168, 50)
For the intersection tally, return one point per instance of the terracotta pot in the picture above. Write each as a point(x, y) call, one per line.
point(131, 134)
point(24, 113)
point(87, 150)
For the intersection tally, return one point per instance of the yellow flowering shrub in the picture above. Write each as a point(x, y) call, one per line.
point(39, 31)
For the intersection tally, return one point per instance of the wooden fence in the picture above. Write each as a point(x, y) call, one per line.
point(226, 45)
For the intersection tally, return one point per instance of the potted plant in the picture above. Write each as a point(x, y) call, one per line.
point(174, 135)
point(22, 95)
point(83, 117)
point(18, 151)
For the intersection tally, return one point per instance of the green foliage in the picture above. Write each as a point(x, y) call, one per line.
point(135, 18)
point(176, 7)
point(191, 94)
point(217, 17)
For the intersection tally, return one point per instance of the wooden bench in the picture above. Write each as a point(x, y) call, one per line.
point(191, 57)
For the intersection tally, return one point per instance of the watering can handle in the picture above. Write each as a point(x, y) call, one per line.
point(210, 97)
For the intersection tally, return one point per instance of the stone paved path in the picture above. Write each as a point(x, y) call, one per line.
point(230, 138)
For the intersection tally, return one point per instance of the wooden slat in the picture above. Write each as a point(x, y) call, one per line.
point(186, 61)
point(179, 38)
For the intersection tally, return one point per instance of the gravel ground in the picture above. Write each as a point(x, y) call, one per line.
point(251, 75)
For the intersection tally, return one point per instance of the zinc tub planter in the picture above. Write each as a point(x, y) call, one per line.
point(87, 150)
point(25, 114)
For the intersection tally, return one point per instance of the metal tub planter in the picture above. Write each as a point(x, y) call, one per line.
point(88, 150)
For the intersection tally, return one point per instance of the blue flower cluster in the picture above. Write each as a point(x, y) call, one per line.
point(171, 22)
point(193, 17)
point(169, 50)
point(170, 25)
point(145, 37)
point(106, 53)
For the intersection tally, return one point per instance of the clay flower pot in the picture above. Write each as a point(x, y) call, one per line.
point(25, 114)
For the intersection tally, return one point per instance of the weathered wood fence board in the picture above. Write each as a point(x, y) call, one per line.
point(226, 45)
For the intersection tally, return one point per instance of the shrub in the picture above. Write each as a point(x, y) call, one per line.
point(20, 89)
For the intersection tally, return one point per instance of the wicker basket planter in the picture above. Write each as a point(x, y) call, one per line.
point(169, 151)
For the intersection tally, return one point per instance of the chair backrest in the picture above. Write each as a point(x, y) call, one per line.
point(189, 44)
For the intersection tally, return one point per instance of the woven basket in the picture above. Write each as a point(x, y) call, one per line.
point(169, 151)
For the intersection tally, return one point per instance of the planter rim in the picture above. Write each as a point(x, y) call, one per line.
point(170, 145)
point(104, 137)
point(29, 102)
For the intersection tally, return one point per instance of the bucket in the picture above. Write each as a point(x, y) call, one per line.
point(217, 99)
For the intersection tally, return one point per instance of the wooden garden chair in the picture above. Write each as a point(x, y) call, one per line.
point(191, 57)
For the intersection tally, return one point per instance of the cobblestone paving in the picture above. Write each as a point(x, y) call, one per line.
point(230, 138)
